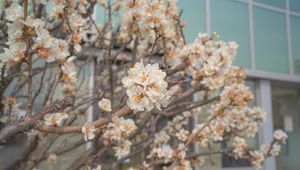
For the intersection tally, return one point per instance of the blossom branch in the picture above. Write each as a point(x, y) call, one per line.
point(31, 121)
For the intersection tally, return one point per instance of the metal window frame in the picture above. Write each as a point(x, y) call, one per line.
point(90, 115)
point(264, 100)
point(251, 34)
point(264, 78)
point(288, 13)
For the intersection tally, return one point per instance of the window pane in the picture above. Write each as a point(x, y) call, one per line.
point(295, 5)
point(286, 109)
point(295, 27)
point(271, 53)
point(100, 14)
point(230, 19)
point(194, 16)
point(275, 3)
point(1, 7)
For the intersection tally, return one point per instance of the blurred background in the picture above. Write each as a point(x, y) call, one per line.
point(268, 34)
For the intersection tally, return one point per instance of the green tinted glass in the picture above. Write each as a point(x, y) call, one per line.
point(295, 34)
point(230, 19)
point(271, 52)
point(275, 3)
point(1, 6)
point(295, 5)
point(285, 106)
point(100, 14)
point(194, 16)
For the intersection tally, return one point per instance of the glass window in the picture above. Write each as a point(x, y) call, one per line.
point(230, 19)
point(275, 3)
point(295, 5)
point(270, 41)
point(100, 14)
point(295, 27)
point(1, 7)
point(286, 109)
point(194, 16)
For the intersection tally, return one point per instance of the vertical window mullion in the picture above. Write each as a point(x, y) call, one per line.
point(289, 40)
point(264, 98)
point(251, 35)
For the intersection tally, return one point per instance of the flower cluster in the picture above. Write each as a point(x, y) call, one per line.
point(150, 31)
point(182, 135)
point(162, 149)
point(146, 87)
point(31, 36)
point(279, 135)
point(122, 149)
point(105, 104)
point(14, 12)
point(16, 35)
point(208, 61)
point(239, 147)
point(88, 129)
point(233, 114)
point(257, 158)
point(11, 107)
point(117, 131)
point(237, 95)
point(183, 165)
point(230, 114)
point(275, 149)
point(55, 119)
point(150, 23)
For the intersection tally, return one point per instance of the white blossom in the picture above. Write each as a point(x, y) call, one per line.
point(99, 167)
point(165, 151)
point(119, 128)
point(52, 158)
point(239, 147)
point(182, 135)
point(122, 149)
point(280, 135)
point(15, 11)
point(88, 130)
point(55, 118)
point(105, 105)
point(146, 87)
point(275, 150)
point(161, 137)
point(257, 158)
point(183, 165)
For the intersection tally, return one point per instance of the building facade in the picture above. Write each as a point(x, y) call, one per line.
point(268, 34)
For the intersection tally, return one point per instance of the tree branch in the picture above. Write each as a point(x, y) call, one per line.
point(30, 122)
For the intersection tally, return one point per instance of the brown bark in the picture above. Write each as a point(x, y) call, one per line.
point(31, 121)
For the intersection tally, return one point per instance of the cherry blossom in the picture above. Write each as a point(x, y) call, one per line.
point(105, 105)
point(280, 135)
point(88, 129)
point(146, 87)
point(55, 118)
